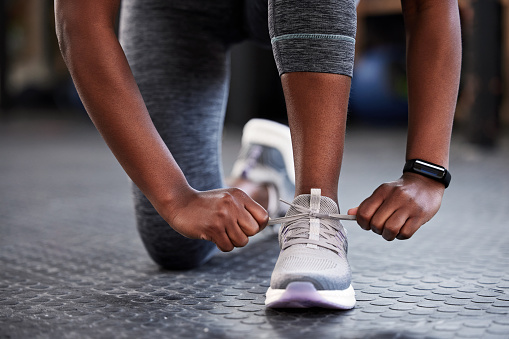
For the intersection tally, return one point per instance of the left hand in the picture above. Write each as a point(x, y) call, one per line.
point(397, 209)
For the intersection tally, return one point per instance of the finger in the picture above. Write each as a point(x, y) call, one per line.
point(236, 236)
point(409, 228)
point(382, 214)
point(352, 211)
point(394, 224)
point(367, 209)
point(247, 224)
point(223, 242)
point(258, 214)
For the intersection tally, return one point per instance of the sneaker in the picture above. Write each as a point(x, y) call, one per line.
point(312, 269)
point(266, 157)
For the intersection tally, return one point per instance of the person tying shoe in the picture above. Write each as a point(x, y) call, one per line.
point(158, 96)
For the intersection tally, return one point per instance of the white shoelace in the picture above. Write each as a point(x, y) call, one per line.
point(298, 233)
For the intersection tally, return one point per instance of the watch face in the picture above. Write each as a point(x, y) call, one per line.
point(428, 169)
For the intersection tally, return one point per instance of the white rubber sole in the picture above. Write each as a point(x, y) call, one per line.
point(305, 295)
point(271, 134)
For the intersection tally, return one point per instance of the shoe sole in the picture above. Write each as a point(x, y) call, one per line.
point(305, 295)
point(271, 134)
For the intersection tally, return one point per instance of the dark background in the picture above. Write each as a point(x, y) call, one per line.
point(34, 82)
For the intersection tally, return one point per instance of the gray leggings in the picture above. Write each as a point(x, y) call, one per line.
point(178, 51)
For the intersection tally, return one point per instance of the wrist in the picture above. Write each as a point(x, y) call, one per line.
point(171, 199)
point(428, 170)
point(424, 181)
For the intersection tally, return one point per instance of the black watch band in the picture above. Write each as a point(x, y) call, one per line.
point(429, 170)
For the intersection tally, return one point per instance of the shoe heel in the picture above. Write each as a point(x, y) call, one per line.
point(271, 134)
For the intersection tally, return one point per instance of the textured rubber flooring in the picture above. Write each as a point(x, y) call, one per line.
point(72, 265)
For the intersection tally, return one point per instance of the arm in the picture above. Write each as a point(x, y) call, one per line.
point(111, 97)
point(398, 209)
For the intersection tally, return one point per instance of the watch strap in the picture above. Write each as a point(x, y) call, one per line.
point(429, 170)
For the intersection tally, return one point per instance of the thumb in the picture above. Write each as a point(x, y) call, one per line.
point(353, 211)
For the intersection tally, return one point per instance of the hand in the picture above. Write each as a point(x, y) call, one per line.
point(227, 217)
point(396, 210)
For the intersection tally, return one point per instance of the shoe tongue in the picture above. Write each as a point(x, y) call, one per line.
point(327, 205)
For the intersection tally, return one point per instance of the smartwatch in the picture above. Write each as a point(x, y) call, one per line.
point(429, 170)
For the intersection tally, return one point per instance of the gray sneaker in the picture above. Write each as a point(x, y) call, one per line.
point(266, 157)
point(312, 269)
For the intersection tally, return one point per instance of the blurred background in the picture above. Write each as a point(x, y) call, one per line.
point(34, 82)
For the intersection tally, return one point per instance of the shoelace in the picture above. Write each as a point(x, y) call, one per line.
point(296, 233)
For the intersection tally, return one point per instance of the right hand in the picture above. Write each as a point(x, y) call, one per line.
point(227, 217)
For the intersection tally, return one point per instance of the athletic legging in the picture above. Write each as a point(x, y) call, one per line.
point(179, 53)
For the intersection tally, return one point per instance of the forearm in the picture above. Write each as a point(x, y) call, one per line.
point(433, 69)
point(112, 99)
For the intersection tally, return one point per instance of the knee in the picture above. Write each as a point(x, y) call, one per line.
point(183, 259)
point(170, 249)
point(165, 246)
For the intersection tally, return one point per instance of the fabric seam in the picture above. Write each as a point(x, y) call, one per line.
point(312, 36)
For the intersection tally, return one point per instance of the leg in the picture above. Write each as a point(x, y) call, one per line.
point(317, 106)
point(313, 45)
point(180, 59)
point(314, 55)
point(316, 80)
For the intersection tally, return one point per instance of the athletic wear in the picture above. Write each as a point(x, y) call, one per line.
point(266, 158)
point(313, 36)
point(179, 53)
point(179, 57)
point(312, 269)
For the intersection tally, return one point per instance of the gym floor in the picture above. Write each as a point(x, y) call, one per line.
point(73, 266)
